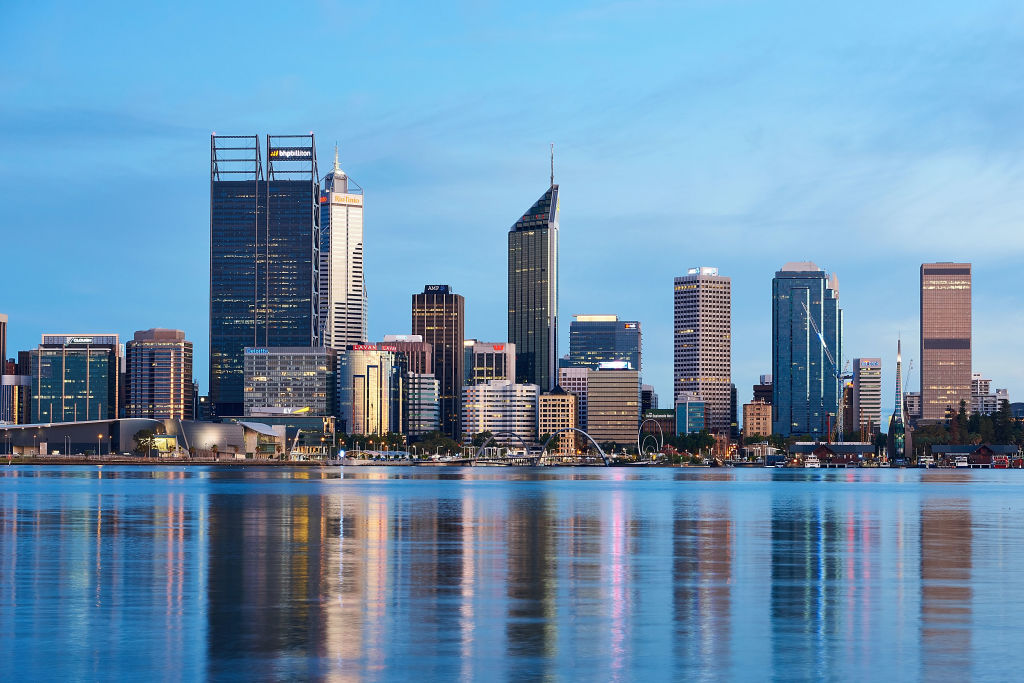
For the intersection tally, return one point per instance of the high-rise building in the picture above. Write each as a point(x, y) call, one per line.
point(691, 413)
point(500, 407)
point(424, 408)
point(945, 338)
point(757, 419)
point(264, 254)
point(342, 287)
point(533, 291)
point(648, 398)
point(371, 389)
point(763, 390)
point(159, 375)
point(596, 339)
point(558, 409)
point(75, 378)
point(439, 317)
point(485, 361)
point(574, 380)
point(3, 343)
point(15, 399)
point(867, 396)
point(418, 353)
point(807, 326)
point(298, 379)
point(703, 342)
point(613, 404)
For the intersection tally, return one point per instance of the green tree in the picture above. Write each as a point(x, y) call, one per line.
point(1004, 423)
point(436, 442)
point(144, 441)
point(481, 438)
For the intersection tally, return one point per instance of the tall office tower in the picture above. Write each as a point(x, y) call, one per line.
point(75, 377)
point(371, 389)
point(945, 338)
point(867, 396)
point(297, 379)
point(500, 407)
point(556, 410)
point(264, 254)
point(805, 388)
point(485, 361)
point(533, 291)
point(703, 342)
point(574, 380)
point(439, 316)
point(596, 339)
point(342, 287)
point(613, 404)
point(418, 353)
point(424, 409)
point(3, 343)
point(898, 421)
point(159, 375)
point(734, 406)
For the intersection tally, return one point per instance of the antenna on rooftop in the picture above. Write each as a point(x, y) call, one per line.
point(552, 164)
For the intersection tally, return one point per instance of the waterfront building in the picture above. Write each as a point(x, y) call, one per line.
point(763, 390)
point(558, 409)
point(757, 419)
point(299, 379)
point(264, 254)
point(439, 317)
point(158, 375)
point(15, 399)
point(867, 396)
point(371, 389)
point(574, 380)
point(596, 339)
point(418, 353)
point(485, 361)
point(342, 285)
point(945, 339)
point(500, 407)
point(75, 378)
point(703, 342)
point(613, 404)
point(805, 386)
point(691, 413)
point(533, 291)
point(424, 408)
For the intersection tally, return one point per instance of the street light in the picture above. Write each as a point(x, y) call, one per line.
point(99, 444)
point(67, 445)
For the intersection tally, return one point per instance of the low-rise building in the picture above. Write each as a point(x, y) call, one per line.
point(757, 419)
point(690, 413)
point(557, 410)
point(424, 407)
point(298, 378)
point(574, 380)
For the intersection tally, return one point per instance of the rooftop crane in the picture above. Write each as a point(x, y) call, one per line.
point(841, 374)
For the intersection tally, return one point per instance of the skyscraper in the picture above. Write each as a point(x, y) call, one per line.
point(533, 291)
point(159, 374)
point(806, 319)
point(945, 338)
point(596, 339)
point(703, 342)
point(264, 254)
point(3, 342)
point(342, 288)
point(439, 316)
point(867, 396)
point(75, 378)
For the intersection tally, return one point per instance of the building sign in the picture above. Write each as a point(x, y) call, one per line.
point(499, 347)
point(254, 352)
point(364, 347)
point(630, 326)
point(435, 289)
point(347, 199)
point(79, 340)
point(387, 347)
point(291, 153)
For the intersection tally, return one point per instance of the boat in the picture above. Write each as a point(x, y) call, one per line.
point(961, 461)
point(1000, 462)
point(812, 461)
point(926, 461)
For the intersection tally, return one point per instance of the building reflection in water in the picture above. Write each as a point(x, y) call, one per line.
point(946, 589)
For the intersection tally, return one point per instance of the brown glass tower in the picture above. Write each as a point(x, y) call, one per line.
point(438, 316)
point(945, 338)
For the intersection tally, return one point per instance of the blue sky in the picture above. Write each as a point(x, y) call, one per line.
point(867, 137)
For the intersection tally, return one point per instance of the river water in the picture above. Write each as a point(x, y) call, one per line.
point(591, 574)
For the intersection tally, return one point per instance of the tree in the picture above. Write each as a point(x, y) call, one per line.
point(144, 441)
point(481, 438)
point(438, 442)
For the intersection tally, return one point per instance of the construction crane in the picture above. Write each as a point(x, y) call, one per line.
point(841, 374)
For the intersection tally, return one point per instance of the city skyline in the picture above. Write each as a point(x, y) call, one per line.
point(904, 168)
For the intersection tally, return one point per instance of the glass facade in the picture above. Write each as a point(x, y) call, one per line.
point(592, 342)
point(75, 378)
point(424, 405)
point(158, 365)
point(690, 416)
point(296, 378)
point(371, 389)
point(945, 338)
point(438, 317)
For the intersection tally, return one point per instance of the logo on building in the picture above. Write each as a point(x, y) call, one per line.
point(255, 352)
point(291, 153)
point(348, 199)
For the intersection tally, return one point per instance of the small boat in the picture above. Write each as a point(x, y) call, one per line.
point(812, 461)
point(961, 461)
point(1000, 462)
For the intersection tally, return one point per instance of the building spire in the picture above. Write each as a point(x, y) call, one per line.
point(552, 164)
point(337, 168)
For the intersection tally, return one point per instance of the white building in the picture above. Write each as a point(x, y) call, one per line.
point(983, 400)
point(703, 342)
point(424, 404)
point(342, 287)
point(485, 361)
point(500, 406)
point(867, 395)
point(574, 380)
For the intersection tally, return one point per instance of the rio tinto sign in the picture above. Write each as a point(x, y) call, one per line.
point(346, 199)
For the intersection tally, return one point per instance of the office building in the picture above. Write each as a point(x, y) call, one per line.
point(3, 344)
point(418, 353)
point(15, 399)
point(574, 380)
point(371, 389)
point(648, 399)
point(264, 254)
point(158, 375)
point(342, 287)
point(424, 408)
point(613, 404)
point(703, 342)
point(912, 406)
point(763, 390)
point(485, 361)
point(439, 317)
point(984, 401)
point(757, 419)
point(867, 396)
point(75, 378)
point(533, 291)
point(807, 326)
point(297, 379)
point(691, 413)
point(558, 409)
point(945, 339)
point(596, 339)
point(500, 407)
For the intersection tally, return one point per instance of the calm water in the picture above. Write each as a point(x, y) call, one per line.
point(497, 574)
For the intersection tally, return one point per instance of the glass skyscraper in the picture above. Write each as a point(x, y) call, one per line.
point(439, 318)
point(805, 388)
point(596, 339)
point(75, 378)
point(264, 254)
point(533, 291)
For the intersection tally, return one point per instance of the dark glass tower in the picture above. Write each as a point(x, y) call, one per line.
point(439, 316)
point(596, 339)
point(533, 291)
point(264, 254)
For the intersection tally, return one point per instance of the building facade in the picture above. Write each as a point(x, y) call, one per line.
point(485, 361)
point(757, 419)
point(299, 379)
point(691, 413)
point(613, 405)
point(533, 291)
point(371, 389)
point(3, 343)
point(596, 339)
point(703, 342)
point(15, 399)
point(500, 407)
point(807, 326)
point(418, 353)
point(574, 380)
point(558, 409)
point(159, 375)
point(945, 339)
point(763, 389)
point(264, 254)
point(867, 396)
point(424, 407)
point(342, 284)
point(439, 317)
point(75, 378)
point(648, 398)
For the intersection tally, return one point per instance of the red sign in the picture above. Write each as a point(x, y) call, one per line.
point(364, 347)
point(499, 347)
